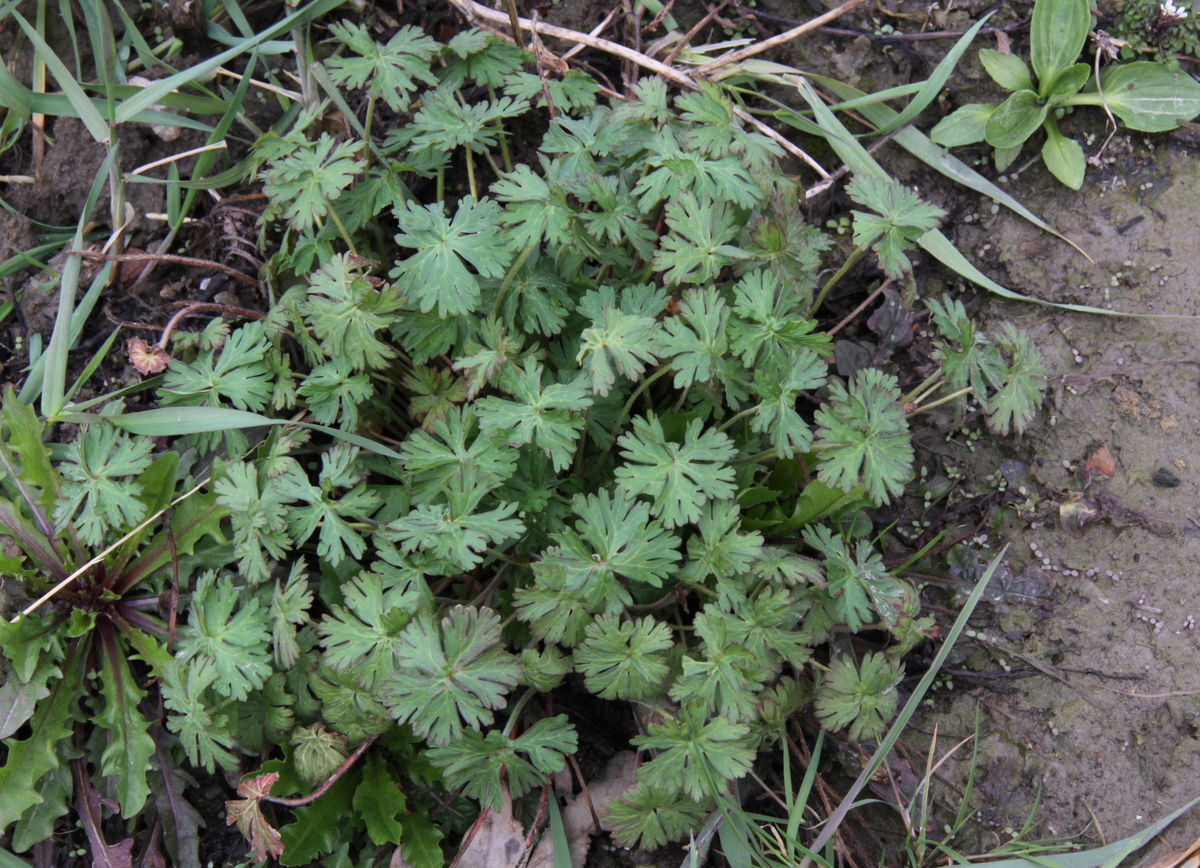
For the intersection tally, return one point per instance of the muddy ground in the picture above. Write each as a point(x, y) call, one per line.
point(1114, 740)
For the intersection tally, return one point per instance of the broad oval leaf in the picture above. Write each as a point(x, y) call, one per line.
point(1070, 81)
point(1007, 70)
point(1064, 157)
point(1057, 34)
point(964, 127)
point(1015, 119)
point(1150, 97)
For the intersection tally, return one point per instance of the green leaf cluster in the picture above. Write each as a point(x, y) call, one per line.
point(1145, 95)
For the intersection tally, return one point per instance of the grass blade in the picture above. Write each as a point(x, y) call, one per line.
point(910, 708)
point(88, 113)
point(558, 835)
point(152, 94)
point(934, 84)
point(177, 421)
point(935, 243)
point(937, 158)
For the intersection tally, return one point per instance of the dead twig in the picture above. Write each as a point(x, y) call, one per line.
point(168, 257)
point(478, 13)
point(780, 39)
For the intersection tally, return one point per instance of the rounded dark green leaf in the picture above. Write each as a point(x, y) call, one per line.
point(965, 126)
point(1057, 34)
point(1070, 81)
point(1015, 119)
point(1007, 70)
point(1064, 157)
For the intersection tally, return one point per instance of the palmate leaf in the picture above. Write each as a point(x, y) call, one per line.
point(455, 532)
point(720, 548)
point(289, 608)
point(859, 582)
point(534, 210)
point(902, 219)
point(768, 327)
point(575, 90)
point(550, 417)
point(92, 482)
point(554, 612)
point(481, 763)
point(684, 176)
point(624, 659)
point(481, 57)
point(437, 276)
point(680, 478)
point(333, 393)
point(203, 732)
point(454, 448)
point(613, 537)
point(236, 374)
point(391, 71)
point(725, 678)
point(697, 757)
point(362, 635)
point(1017, 399)
point(236, 643)
point(445, 122)
point(303, 184)
point(976, 361)
point(698, 245)
point(616, 343)
point(777, 416)
point(694, 340)
point(450, 673)
point(345, 312)
point(864, 437)
point(337, 537)
point(258, 515)
point(491, 352)
point(861, 697)
point(649, 817)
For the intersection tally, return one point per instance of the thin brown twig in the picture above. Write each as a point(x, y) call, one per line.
point(168, 257)
point(478, 13)
point(320, 791)
point(866, 303)
point(691, 34)
point(779, 39)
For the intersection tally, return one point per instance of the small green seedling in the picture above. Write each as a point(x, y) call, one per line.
point(1146, 96)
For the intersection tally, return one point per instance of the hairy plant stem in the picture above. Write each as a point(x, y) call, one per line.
point(508, 278)
point(829, 284)
point(765, 455)
point(738, 417)
point(333, 778)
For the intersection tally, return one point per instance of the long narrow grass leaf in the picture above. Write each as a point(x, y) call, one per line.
point(910, 708)
point(937, 158)
point(178, 421)
point(91, 117)
point(93, 364)
point(933, 86)
point(152, 94)
point(855, 156)
point(558, 836)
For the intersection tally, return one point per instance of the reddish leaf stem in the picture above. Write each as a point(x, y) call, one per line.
point(320, 791)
